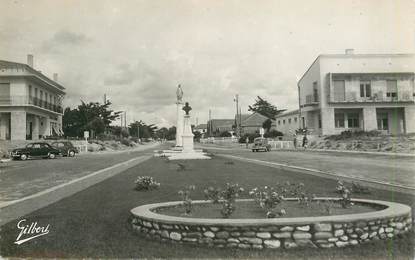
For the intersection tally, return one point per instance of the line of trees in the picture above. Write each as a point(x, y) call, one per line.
point(97, 118)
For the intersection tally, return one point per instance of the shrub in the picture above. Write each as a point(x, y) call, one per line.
point(126, 142)
point(345, 193)
point(225, 134)
point(269, 198)
point(273, 134)
point(187, 201)
point(227, 197)
point(251, 138)
point(146, 183)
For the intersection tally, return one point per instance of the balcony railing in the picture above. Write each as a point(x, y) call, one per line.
point(354, 97)
point(25, 100)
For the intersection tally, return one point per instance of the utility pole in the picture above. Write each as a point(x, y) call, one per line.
point(210, 123)
point(237, 118)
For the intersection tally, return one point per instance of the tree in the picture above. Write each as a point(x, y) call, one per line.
point(267, 125)
point(90, 116)
point(146, 131)
point(264, 108)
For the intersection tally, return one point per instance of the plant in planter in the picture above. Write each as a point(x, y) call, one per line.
point(227, 197)
point(187, 201)
point(213, 194)
point(269, 198)
point(298, 190)
point(345, 193)
point(146, 183)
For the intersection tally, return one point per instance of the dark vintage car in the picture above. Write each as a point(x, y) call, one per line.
point(261, 144)
point(66, 148)
point(33, 150)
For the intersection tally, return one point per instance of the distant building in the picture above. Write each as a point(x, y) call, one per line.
point(358, 92)
point(252, 123)
point(30, 102)
point(288, 122)
point(218, 126)
point(202, 129)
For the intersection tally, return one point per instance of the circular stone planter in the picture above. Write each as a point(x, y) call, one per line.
point(323, 232)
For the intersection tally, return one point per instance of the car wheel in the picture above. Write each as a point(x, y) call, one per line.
point(23, 157)
point(71, 153)
point(52, 156)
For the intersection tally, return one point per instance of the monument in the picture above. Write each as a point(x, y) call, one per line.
point(184, 148)
point(179, 114)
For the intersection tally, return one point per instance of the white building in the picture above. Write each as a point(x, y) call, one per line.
point(30, 102)
point(288, 122)
point(358, 92)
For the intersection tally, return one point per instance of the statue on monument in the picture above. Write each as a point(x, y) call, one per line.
point(179, 94)
point(187, 108)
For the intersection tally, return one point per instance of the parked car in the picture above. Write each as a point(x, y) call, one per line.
point(33, 150)
point(66, 148)
point(261, 144)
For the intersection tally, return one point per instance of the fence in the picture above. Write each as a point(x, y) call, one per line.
point(215, 140)
point(281, 144)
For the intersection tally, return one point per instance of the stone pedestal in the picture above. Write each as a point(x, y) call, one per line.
point(187, 137)
point(179, 125)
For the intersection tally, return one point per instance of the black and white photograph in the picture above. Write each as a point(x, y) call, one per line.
point(207, 129)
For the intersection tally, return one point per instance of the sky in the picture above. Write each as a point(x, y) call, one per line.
point(137, 52)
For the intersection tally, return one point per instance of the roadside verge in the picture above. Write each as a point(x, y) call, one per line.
point(368, 182)
point(11, 210)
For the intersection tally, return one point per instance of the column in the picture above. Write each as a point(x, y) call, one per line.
point(409, 122)
point(35, 128)
point(44, 126)
point(18, 125)
point(327, 120)
point(179, 125)
point(4, 121)
point(369, 119)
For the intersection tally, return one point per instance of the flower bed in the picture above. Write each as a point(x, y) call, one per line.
point(324, 231)
point(251, 209)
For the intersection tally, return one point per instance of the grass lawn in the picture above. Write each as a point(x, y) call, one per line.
point(94, 222)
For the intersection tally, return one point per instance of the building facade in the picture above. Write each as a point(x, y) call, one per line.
point(358, 92)
point(288, 122)
point(30, 102)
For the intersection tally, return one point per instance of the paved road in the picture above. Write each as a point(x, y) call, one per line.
point(386, 168)
point(22, 178)
point(94, 222)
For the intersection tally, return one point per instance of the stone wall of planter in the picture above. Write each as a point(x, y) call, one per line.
point(322, 232)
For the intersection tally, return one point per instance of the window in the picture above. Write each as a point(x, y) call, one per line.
point(295, 119)
point(339, 92)
point(283, 122)
point(391, 88)
point(279, 122)
point(365, 89)
point(30, 90)
point(382, 120)
point(352, 120)
point(289, 120)
point(339, 120)
point(315, 92)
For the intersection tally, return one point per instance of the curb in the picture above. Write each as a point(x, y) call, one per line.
point(320, 150)
point(14, 209)
point(375, 183)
